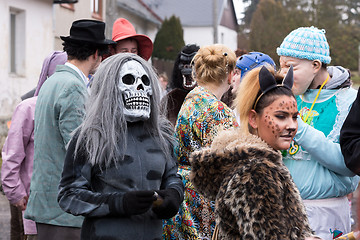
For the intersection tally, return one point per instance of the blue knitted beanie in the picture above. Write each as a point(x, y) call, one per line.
point(306, 43)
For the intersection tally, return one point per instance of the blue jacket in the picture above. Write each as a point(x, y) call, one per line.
point(59, 111)
point(315, 160)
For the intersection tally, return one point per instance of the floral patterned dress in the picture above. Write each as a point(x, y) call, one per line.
point(200, 118)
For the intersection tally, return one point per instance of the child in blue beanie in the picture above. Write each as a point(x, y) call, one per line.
point(324, 97)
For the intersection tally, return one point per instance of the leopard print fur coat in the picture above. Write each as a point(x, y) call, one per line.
point(255, 196)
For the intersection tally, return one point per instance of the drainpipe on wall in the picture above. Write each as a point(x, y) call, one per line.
point(215, 20)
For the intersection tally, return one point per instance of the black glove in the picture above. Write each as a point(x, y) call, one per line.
point(170, 204)
point(138, 202)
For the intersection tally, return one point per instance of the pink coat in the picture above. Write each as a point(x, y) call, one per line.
point(18, 156)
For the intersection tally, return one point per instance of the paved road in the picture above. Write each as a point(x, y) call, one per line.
point(4, 218)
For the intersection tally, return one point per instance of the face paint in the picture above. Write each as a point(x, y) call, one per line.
point(136, 91)
point(277, 124)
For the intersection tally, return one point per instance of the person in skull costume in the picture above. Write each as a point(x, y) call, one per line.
point(182, 81)
point(119, 171)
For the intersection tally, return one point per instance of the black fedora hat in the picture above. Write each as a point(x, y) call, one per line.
point(87, 30)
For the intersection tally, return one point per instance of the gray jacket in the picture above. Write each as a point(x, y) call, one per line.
point(98, 193)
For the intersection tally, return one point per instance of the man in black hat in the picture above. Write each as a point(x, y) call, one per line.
point(59, 111)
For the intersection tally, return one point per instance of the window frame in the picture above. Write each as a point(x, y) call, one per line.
point(96, 9)
point(17, 49)
point(69, 6)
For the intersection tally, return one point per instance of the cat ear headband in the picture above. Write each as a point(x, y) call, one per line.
point(267, 82)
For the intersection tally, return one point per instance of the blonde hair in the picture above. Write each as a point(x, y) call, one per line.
point(213, 63)
point(246, 97)
point(249, 92)
point(164, 76)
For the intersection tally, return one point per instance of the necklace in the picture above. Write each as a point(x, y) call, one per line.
point(294, 148)
point(317, 95)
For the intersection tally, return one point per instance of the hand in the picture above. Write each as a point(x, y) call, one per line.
point(138, 202)
point(21, 204)
point(170, 204)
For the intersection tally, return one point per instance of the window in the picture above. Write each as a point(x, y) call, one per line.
point(226, 4)
point(69, 6)
point(96, 9)
point(17, 42)
point(12, 42)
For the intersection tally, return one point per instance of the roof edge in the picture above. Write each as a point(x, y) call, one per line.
point(137, 13)
point(151, 11)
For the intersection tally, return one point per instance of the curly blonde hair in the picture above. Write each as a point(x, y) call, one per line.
point(213, 63)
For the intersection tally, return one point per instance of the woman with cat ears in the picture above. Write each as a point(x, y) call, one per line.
point(255, 196)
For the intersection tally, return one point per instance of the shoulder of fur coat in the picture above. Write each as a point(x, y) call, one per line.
point(253, 191)
point(229, 151)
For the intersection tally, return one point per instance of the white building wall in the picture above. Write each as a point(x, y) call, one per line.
point(205, 36)
point(200, 35)
point(227, 37)
point(35, 42)
point(64, 17)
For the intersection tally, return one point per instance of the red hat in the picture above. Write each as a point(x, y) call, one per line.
point(123, 29)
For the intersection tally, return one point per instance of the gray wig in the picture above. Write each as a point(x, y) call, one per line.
point(102, 135)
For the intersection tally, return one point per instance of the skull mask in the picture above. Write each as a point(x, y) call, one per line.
point(136, 90)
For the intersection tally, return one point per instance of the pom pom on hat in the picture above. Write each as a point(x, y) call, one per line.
point(306, 43)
